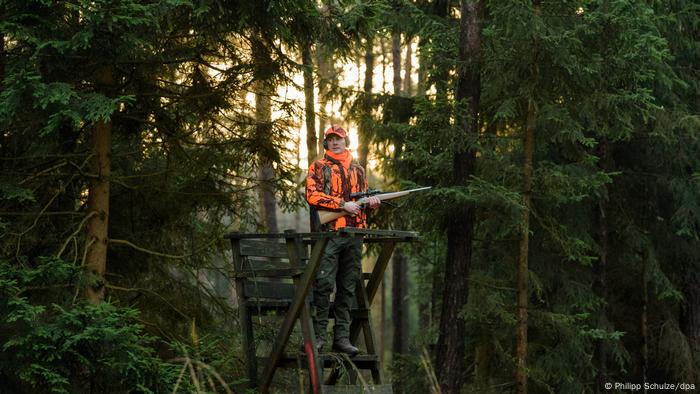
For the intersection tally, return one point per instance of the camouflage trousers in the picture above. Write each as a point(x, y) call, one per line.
point(341, 266)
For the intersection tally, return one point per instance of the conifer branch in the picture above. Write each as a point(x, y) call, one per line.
point(148, 251)
point(40, 173)
point(482, 283)
point(82, 264)
point(46, 207)
point(160, 254)
point(149, 291)
point(77, 230)
point(58, 156)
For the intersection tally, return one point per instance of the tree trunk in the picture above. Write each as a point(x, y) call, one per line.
point(382, 314)
point(450, 350)
point(382, 43)
point(309, 114)
point(438, 289)
point(396, 60)
point(483, 354)
point(690, 318)
point(2, 61)
point(600, 286)
point(309, 105)
point(522, 273)
point(420, 84)
point(424, 270)
point(324, 60)
point(297, 212)
point(408, 67)
point(326, 75)
point(263, 119)
point(266, 176)
point(97, 236)
point(3, 143)
point(524, 244)
point(460, 226)
point(442, 76)
point(382, 325)
point(644, 321)
point(399, 309)
point(399, 279)
point(366, 116)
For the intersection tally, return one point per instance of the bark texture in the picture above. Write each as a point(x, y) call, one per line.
point(309, 105)
point(523, 251)
point(365, 121)
point(399, 310)
point(263, 118)
point(396, 60)
point(460, 226)
point(97, 236)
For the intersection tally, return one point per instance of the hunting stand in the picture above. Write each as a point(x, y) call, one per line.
point(274, 273)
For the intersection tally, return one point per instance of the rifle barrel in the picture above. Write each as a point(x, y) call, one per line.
point(389, 196)
point(327, 216)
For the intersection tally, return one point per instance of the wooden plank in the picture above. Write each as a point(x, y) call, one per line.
point(380, 240)
point(328, 360)
point(319, 235)
point(369, 233)
point(293, 314)
point(271, 290)
point(266, 248)
point(258, 263)
point(348, 389)
point(270, 273)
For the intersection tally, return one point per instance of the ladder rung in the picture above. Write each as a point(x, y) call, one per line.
point(269, 273)
point(361, 361)
point(262, 306)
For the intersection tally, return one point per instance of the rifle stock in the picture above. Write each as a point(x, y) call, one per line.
point(328, 216)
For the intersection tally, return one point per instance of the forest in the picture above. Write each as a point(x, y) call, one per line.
point(560, 139)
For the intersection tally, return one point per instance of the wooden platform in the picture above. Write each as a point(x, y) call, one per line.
point(274, 273)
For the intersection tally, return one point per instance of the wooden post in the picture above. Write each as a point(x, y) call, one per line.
point(307, 329)
point(244, 315)
point(293, 314)
point(363, 304)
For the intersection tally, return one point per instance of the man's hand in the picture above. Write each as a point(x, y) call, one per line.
point(373, 202)
point(352, 207)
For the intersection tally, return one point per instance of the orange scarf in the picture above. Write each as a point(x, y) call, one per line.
point(344, 158)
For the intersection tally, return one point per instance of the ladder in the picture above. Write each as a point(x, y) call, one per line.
point(274, 273)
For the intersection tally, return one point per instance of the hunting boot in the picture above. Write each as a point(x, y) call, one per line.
point(343, 345)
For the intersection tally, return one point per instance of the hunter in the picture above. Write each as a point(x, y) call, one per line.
point(329, 183)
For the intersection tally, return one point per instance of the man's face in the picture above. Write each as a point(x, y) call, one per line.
point(336, 143)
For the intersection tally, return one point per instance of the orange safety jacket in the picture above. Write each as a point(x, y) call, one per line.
point(329, 182)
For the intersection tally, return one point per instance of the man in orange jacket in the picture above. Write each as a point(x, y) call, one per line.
point(329, 183)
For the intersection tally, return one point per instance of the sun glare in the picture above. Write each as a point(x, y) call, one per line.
point(350, 77)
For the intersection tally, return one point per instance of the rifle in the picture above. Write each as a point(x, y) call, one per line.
point(368, 193)
point(327, 216)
